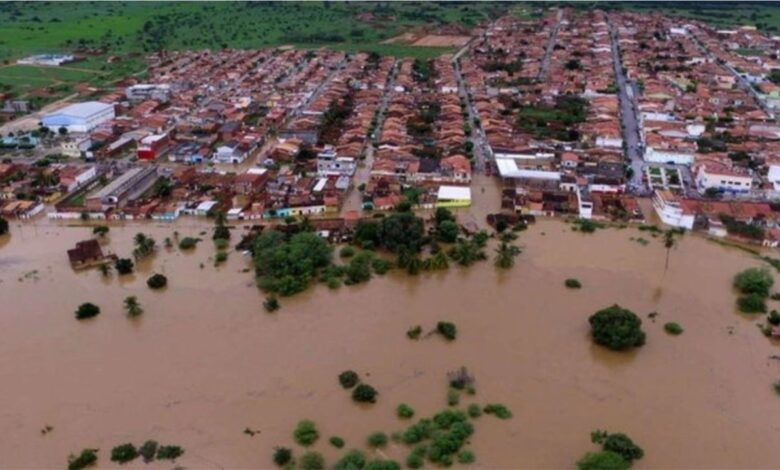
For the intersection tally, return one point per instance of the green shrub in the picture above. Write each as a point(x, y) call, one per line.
point(312, 461)
point(474, 410)
point(377, 439)
point(157, 281)
point(221, 244)
point(271, 304)
point(124, 453)
point(774, 318)
point(87, 310)
point(336, 442)
point(188, 243)
point(498, 410)
point(603, 460)
point(414, 332)
point(364, 393)
point(673, 328)
point(776, 386)
point(453, 397)
point(282, 456)
point(169, 452)
point(447, 329)
point(754, 281)
point(622, 445)
point(306, 433)
point(466, 457)
point(617, 328)
point(573, 283)
point(751, 303)
point(347, 252)
point(352, 460)
point(148, 450)
point(87, 458)
point(220, 258)
point(404, 411)
point(380, 464)
point(380, 266)
point(415, 460)
point(349, 378)
point(124, 266)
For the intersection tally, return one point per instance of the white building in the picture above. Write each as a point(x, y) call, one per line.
point(330, 164)
point(75, 147)
point(148, 91)
point(724, 179)
point(79, 117)
point(668, 156)
point(670, 211)
point(52, 60)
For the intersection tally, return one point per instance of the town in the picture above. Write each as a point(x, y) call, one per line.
point(586, 114)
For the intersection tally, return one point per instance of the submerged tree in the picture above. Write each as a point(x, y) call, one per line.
point(505, 255)
point(132, 306)
point(144, 246)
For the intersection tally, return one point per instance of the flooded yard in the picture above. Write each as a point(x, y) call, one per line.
point(205, 361)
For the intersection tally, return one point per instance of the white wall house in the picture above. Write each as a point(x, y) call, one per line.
point(722, 179)
point(330, 164)
point(670, 211)
point(75, 147)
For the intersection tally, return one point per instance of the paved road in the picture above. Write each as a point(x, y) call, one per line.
point(550, 47)
point(628, 116)
point(477, 137)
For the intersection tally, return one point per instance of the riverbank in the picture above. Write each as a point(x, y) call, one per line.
point(205, 361)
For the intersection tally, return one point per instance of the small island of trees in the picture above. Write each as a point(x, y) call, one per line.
point(617, 328)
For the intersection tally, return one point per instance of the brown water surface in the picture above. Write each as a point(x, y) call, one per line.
point(205, 361)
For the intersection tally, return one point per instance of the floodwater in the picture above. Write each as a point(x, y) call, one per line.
point(205, 361)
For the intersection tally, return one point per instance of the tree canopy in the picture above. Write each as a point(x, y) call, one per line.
point(286, 266)
point(617, 328)
point(754, 281)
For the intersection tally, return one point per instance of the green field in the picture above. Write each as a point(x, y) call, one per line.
point(764, 16)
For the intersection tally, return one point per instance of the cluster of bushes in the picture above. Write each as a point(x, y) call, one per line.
point(87, 310)
point(439, 440)
point(617, 328)
point(362, 393)
point(446, 329)
point(587, 225)
point(188, 243)
point(572, 283)
point(124, 266)
point(754, 285)
point(286, 266)
point(618, 452)
point(124, 453)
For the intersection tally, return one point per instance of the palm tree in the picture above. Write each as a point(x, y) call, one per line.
point(132, 306)
point(467, 252)
point(668, 243)
point(144, 245)
point(505, 255)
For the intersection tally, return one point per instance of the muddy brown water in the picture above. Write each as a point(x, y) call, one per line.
point(205, 361)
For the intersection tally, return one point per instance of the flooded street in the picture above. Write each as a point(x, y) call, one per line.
point(205, 361)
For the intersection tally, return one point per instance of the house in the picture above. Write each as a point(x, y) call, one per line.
point(670, 211)
point(718, 176)
point(71, 177)
point(453, 196)
point(76, 147)
point(152, 147)
point(330, 164)
point(87, 254)
point(230, 152)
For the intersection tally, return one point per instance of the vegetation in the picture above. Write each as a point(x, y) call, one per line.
point(157, 281)
point(474, 410)
point(404, 411)
point(349, 378)
point(144, 246)
point(221, 243)
point(617, 328)
point(754, 281)
point(148, 450)
point(188, 243)
point(132, 306)
point(572, 283)
point(312, 460)
point(377, 439)
point(466, 457)
point(506, 254)
point(554, 122)
point(447, 330)
point(124, 266)
point(87, 458)
point(364, 393)
point(3, 226)
point(776, 387)
point(282, 456)
point(347, 252)
point(453, 397)
point(603, 460)
point(354, 459)
point(498, 410)
point(287, 266)
point(673, 328)
point(751, 303)
point(306, 433)
point(271, 304)
point(622, 445)
point(336, 442)
point(587, 225)
point(124, 453)
point(100, 230)
point(169, 452)
point(87, 310)
point(414, 332)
